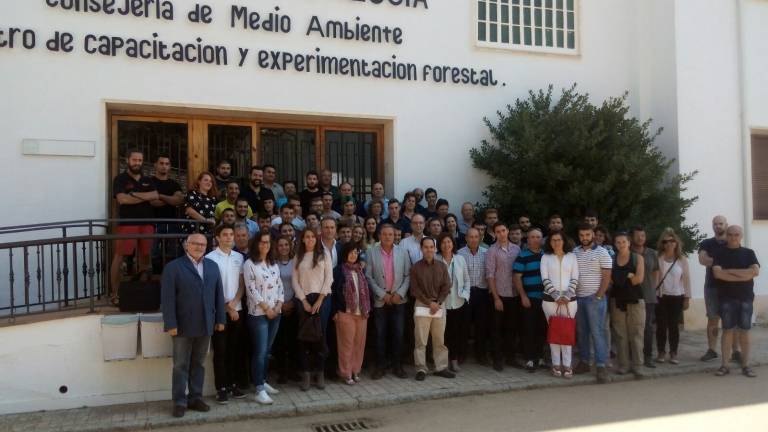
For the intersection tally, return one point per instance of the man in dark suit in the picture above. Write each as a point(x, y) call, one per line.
point(192, 304)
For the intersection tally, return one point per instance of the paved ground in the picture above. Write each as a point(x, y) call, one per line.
point(694, 402)
point(472, 380)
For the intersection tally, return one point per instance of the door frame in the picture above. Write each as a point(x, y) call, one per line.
point(197, 136)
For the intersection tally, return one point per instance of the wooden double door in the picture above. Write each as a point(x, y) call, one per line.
point(196, 144)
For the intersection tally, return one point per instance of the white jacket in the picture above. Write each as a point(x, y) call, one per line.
point(560, 278)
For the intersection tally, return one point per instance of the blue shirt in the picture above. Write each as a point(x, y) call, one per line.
point(528, 264)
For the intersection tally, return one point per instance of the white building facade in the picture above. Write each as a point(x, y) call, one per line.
point(376, 90)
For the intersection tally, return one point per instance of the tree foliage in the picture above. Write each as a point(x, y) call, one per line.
point(566, 156)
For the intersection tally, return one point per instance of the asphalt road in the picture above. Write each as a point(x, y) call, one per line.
point(700, 402)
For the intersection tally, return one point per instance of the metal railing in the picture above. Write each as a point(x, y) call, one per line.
point(51, 267)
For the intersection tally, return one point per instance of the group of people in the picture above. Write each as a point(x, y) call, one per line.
point(282, 264)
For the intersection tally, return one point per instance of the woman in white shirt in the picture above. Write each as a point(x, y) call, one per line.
point(265, 293)
point(457, 320)
point(560, 276)
point(673, 287)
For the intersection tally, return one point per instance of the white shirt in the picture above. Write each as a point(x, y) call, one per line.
point(230, 267)
point(198, 265)
point(332, 252)
point(263, 285)
point(297, 222)
point(676, 283)
point(560, 276)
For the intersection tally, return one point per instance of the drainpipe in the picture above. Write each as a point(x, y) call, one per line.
point(746, 149)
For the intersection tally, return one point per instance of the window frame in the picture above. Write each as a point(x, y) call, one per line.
point(533, 48)
point(759, 212)
point(197, 137)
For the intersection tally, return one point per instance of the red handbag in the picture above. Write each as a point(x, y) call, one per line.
point(562, 329)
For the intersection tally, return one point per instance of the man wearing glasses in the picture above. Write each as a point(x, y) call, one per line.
point(734, 269)
point(192, 306)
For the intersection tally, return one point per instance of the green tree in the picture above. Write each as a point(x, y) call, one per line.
point(566, 156)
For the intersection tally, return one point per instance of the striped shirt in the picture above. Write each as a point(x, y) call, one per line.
point(528, 264)
point(475, 266)
point(592, 262)
point(498, 266)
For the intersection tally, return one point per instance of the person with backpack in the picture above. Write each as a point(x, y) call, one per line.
point(627, 305)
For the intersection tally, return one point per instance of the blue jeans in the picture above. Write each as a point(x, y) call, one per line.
point(590, 321)
point(188, 368)
point(389, 320)
point(736, 313)
point(263, 332)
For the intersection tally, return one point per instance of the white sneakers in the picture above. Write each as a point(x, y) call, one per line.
point(271, 390)
point(263, 398)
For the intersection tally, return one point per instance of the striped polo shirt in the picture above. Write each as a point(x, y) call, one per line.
point(592, 262)
point(528, 264)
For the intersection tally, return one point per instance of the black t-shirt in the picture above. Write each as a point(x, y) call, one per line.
point(125, 183)
point(404, 224)
point(711, 246)
point(426, 212)
point(255, 199)
point(488, 239)
point(735, 259)
point(166, 187)
point(306, 196)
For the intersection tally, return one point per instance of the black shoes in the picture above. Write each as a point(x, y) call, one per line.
point(222, 397)
point(377, 374)
point(445, 373)
point(400, 373)
point(179, 411)
point(198, 405)
point(421, 375)
point(709, 355)
point(237, 393)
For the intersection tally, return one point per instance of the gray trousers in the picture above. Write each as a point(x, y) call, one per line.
point(188, 368)
point(650, 330)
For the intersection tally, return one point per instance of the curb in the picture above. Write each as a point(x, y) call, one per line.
point(253, 411)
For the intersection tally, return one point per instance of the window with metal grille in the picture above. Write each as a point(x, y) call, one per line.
point(547, 26)
point(760, 177)
point(154, 139)
point(230, 143)
point(292, 151)
point(351, 157)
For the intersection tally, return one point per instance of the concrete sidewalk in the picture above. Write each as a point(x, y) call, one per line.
point(472, 380)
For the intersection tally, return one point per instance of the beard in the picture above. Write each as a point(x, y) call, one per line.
point(136, 170)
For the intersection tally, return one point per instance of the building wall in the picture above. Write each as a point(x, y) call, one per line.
point(38, 359)
point(680, 62)
point(718, 103)
point(63, 96)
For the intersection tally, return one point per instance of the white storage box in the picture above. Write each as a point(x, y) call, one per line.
point(119, 337)
point(155, 343)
